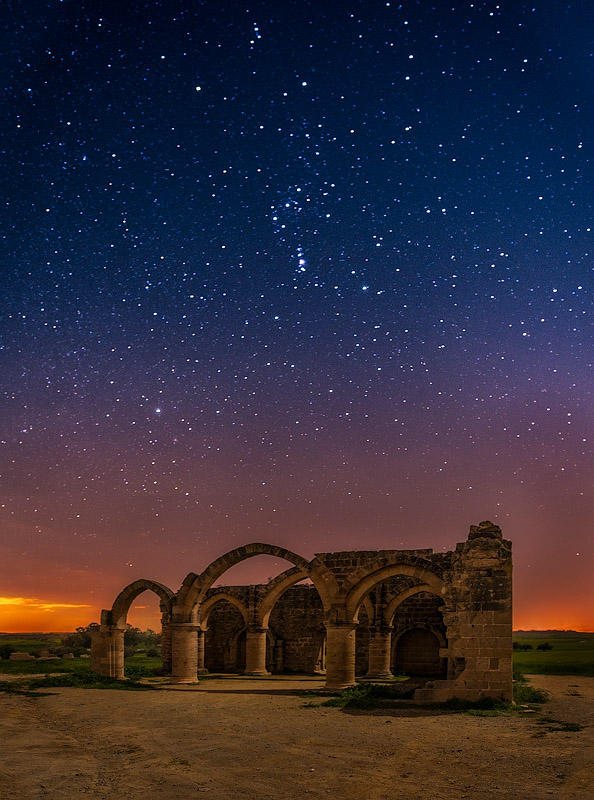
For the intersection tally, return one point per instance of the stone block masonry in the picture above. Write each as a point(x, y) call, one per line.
point(444, 616)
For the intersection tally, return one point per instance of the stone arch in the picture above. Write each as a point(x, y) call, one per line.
point(419, 642)
point(121, 605)
point(208, 604)
point(367, 604)
point(437, 633)
point(297, 648)
point(360, 590)
point(384, 560)
point(107, 639)
point(237, 652)
point(195, 586)
point(421, 652)
point(392, 606)
point(365, 624)
point(274, 589)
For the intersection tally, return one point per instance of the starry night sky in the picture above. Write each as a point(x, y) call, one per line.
point(313, 273)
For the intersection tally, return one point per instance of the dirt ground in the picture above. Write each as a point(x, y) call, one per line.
point(229, 739)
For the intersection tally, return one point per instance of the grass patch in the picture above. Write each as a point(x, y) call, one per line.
point(87, 680)
point(370, 696)
point(550, 725)
point(135, 667)
point(41, 666)
point(82, 680)
point(75, 672)
point(571, 654)
point(363, 695)
point(19, 688)
point(526, 694)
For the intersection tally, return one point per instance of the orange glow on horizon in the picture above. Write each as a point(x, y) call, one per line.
point(32, 614)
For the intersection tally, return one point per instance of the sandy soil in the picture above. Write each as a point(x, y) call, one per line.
point(233, 739)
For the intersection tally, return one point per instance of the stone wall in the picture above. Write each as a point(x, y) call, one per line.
point(298, 622)
point(445, 612)
point(224, 647)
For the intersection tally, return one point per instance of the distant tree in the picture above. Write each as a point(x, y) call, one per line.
point(544, 646)
point(6, 650)
point(80, 639)
point(134, 637)
point(151, 638)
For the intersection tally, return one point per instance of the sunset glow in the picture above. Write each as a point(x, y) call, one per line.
point(29, 614)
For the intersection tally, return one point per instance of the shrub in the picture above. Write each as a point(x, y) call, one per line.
point(80, 639)
point(524, 693)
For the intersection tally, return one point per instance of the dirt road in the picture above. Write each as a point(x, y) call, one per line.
point(234, 739)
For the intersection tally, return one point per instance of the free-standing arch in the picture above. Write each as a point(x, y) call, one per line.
point(195, 586)
point(121, 605)
point(107, 639)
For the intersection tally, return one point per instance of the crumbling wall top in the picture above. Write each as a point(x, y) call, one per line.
point(485, 530)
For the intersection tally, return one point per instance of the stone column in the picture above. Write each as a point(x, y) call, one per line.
point(166, 646)
point(107, 651)
point(340, 655)
point(255, 651)
point(201, 636)
point(184, 652)
point(380, 641)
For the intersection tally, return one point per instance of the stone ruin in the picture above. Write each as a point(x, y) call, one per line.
point(444, 616)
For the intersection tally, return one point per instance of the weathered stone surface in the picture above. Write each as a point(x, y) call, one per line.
point(444, 614)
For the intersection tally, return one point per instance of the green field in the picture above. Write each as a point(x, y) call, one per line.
point(29, 644)
point(136, 666)
point(572, 653)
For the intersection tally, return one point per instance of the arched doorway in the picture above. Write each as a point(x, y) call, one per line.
point(296, 622)
point(416, 652)
point(224, 638)
point(418, 634)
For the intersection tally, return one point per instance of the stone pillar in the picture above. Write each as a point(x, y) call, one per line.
point(107, 651)
point(380, 642)
point(478, 618)
point(340, 655)
point(201, 636)
point(319, 668)
point(166, 646)
point(184, 652)
point(255, 651)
